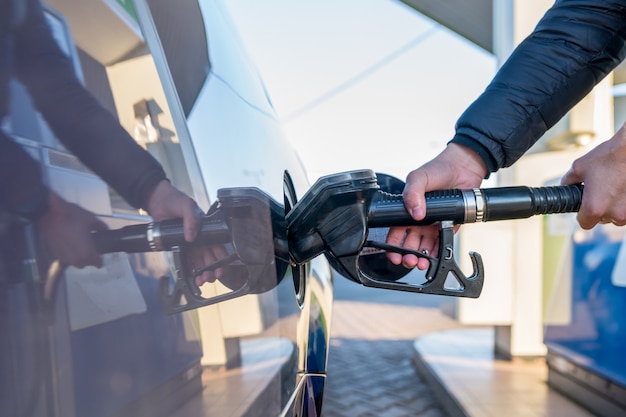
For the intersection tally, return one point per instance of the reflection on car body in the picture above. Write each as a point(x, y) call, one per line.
point(246, 232)
point(180, 83)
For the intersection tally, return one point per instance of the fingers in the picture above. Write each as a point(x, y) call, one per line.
point(427, 246)
point(79, 249)
point(86, 257)
point(90, 255)
point(588, 216)
point(590, 213)
point(414, 194)
point(201, 257)
point(74, 251)
point(571, 177)
point(416, 238)
point(423, 239)
point(395, 237)
point(66, 231)
point(597, 208)
point(97, 225)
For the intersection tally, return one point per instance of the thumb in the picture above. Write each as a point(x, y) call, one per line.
point(414, 190)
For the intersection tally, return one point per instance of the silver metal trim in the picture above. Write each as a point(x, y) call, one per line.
point(153, 234)
point(469, 200)
point(480, 205)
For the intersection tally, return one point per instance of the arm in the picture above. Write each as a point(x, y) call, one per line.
point(75, 116)
point(574, 46)
point(96, 138)
point(21, 186)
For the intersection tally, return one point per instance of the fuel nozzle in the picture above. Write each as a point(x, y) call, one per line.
point(338, 213)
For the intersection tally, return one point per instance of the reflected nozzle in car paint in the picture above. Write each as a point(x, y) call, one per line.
point(248, 226)
point(338, 217)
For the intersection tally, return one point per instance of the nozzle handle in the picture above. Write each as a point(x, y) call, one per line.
point(477, 205)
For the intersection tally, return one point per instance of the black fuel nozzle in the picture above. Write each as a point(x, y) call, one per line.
point(246, 223)
point(336, 217)
point(340, 212)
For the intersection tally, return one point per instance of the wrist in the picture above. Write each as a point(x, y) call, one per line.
point(158, 197)
point(467, 159)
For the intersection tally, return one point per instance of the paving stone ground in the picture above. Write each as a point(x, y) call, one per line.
point(370, 369)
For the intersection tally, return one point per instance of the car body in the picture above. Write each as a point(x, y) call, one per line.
point(179, 81)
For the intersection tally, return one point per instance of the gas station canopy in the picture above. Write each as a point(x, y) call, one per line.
point(471, 19)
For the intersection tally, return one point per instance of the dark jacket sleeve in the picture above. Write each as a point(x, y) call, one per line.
point(22, 191)
point(85, 127)
point(574, 46)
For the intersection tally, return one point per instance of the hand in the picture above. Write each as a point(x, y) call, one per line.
point(603, 171)
point(66, 232)
point(197, 257)
point(456, 167)
point(167, 202)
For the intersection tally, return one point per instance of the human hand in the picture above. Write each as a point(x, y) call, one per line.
point(455, 167)
point(603, 171)
point(199, 257)
point(66, 232)
point(167, 202)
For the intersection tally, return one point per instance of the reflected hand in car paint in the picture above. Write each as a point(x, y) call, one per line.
point(242, 242)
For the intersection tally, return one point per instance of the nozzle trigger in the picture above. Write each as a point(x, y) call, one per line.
point(441, 268)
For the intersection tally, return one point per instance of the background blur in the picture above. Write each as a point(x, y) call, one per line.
point(361, 84)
